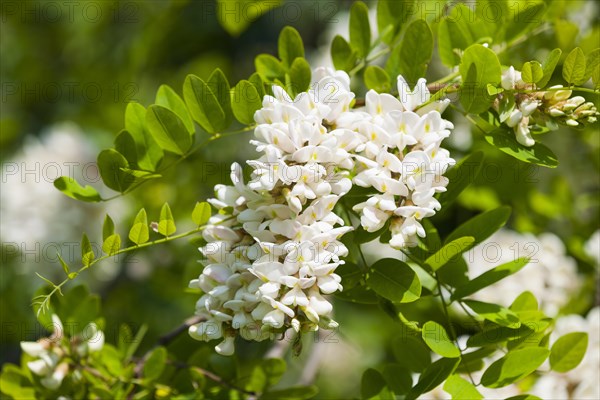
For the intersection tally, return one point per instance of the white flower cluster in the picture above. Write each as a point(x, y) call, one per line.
point(51, 353)
point(553, 102)
point(551, 274)
point(398, 153)
point(273, 247)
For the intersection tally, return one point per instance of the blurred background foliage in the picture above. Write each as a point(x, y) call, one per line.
point(84, 64)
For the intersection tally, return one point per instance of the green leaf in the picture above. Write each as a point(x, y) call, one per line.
point(87, 254)
point(529, 15)
point(494, 313)
point(499, 334)
point(449, 251)
point(168, 130)
point(246, 101)
point(461, 389)
point(482, 226)
point(218, 83)
point(290, 46)
point(235, 16)
point(461, 176)
point(111, 244)
point(506, 142)
point(166, 223)
point(201, 213)
point(154, 364)
point(436, 337)
point(592, 68)
point(568, 351)
point(394, 280)
point(342, 55)
point(111, 163)
point(360, 29)
point(479, 67)
point(63, 264)
point(139, 232)
point(391, 14)
point(411, 352)
point(167, 98)
point(148, 153)
point(454, 35)
point(549, 66)
point(526, 301)
point(377, 79)
point(125, 144)
point(574, 67)
point(203, 104)
point(397, 378)
point(524, 397)
point(15, 383)
point(412, 57)
point(300, 75)
point(514, 366)
point(489, 277)
point(532, 72)
point(269, 68)
point(435, 374)
point(74, 190)
point(274, 368)
point(108, 227)
point(372, 383)
point(258, 83)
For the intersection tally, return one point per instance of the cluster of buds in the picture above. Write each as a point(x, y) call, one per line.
point(521, 111)
point(54, 356)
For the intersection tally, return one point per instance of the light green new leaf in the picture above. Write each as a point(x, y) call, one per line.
point(436, 337)
point(435, 374)
point(290, 46)
point(108, 227)
point(360, 29)
point(479, 67)
point(461, 176)
point(489, 277)
point(258, 83)
point(87, 254)
point(112, 244)
point(449, 251)
point(73, 189)
point(111, 163)
point(235, 16)
point(139, 232)
point(482, 226)
point(494, 313)
point(394, 280)
point(246, 101)
point(219, 85)
point(532, 72)
point(574, 67)
point(269, 68)
point(148, 153)
point(166, 223)
point(568, 351)
point(299, 76)
point(377, 79)
point(372, 383)
point(514, 366)
point(155, 364)
point(201, 213)
point(203, 105)
point(549, 66)
point(461, 389)
point(64, 265)
point(526, 301)
point(167, 98)
point(168, 130)
point(342, 55)
point(412, 57)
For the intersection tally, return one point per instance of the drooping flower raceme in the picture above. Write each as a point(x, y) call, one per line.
point(273, 247)
point(398, 153)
